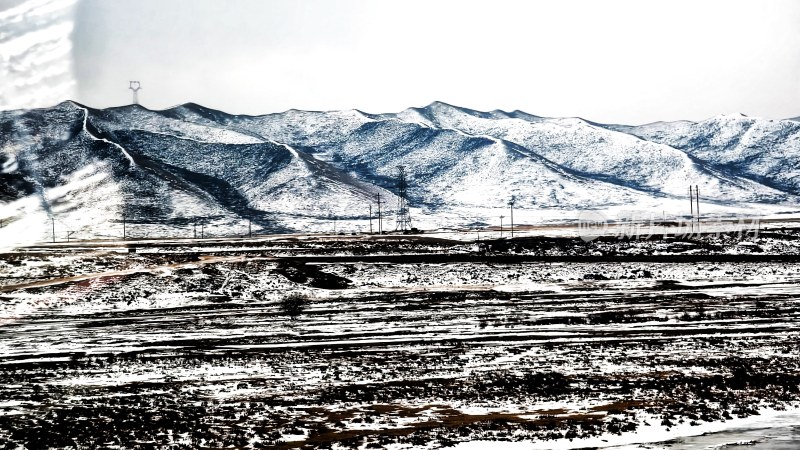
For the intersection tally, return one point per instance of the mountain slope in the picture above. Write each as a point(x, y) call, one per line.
point(600, 153)
point(86, 171)
point(83, 181)
point(451, 168)
point(765, 150)
point(67, 164)
point(577, 146)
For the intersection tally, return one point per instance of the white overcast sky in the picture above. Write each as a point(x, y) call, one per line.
point(609, 61)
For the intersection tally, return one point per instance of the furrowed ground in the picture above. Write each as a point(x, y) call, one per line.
point(265, 346)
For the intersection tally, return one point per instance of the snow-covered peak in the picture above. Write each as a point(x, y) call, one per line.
point(729, 116)
point(193, 161)
point(69, 104)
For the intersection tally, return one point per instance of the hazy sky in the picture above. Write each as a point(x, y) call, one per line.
point(610, 61)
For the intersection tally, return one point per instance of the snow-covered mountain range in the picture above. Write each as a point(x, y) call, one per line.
point(86, 171)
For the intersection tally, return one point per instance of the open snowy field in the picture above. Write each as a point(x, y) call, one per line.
point(193, 345)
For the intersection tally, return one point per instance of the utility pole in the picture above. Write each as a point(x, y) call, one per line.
point(53, 221)
point(691, 207)
point(697, 199)
point(249, 227)
point(501, 225)
point(194, 227)
point(202, 230)
point(370, 218)
point(380, 219)
point(124, 230)
point(511, 204)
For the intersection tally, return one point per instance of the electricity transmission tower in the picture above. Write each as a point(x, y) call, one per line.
point(403, 222)
point(135, 86)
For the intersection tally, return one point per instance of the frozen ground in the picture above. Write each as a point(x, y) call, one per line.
point(419, 343)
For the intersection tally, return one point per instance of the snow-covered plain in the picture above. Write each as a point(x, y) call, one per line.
point(189, 343)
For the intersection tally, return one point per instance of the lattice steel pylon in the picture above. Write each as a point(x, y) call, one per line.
point(403, 222)
point(135, 86)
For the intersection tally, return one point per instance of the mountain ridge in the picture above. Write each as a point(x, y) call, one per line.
point(306, 169)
